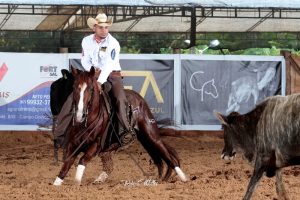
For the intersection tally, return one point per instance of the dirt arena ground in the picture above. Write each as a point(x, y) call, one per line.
point(26, 173)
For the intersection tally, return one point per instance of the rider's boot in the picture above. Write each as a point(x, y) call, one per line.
point(127, 137)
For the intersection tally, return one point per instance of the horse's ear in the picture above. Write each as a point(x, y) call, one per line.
point(223, 119)
point(74, 71)
point(92, 71)
point(97, 73)
point(64, 73)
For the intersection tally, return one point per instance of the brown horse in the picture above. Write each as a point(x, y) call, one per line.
point(91, 121)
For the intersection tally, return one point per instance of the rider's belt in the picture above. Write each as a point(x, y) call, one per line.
point(115, 73)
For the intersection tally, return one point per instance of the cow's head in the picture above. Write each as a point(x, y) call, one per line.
point(228, 152)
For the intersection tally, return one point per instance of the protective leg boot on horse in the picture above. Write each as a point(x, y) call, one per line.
point(126, 133)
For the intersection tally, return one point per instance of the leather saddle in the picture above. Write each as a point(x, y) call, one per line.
point(114, 131)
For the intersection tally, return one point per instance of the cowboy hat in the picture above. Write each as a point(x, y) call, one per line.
point(101, 19)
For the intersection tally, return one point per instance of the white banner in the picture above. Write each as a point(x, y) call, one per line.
point(25, 81)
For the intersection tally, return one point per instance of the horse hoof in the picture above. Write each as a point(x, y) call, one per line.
point(101, 178)
point(58, 181)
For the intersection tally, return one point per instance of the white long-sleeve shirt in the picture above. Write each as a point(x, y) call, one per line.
point(103, 55)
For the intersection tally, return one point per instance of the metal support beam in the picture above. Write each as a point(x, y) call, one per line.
point(271, 13)
point(193, 28)
point(10, 11)
point(139, 11)
point(201, 20)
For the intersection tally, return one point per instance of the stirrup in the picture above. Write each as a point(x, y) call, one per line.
point(128, 137)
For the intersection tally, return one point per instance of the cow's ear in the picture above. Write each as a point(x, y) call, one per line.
point(74, 71)
point(223, 119)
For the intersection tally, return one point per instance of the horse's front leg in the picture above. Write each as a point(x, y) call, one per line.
point(88, 155)
point(107, 167)
point(66, 166)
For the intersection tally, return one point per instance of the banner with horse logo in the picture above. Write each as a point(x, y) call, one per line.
point(184, 88)
point(227, 86)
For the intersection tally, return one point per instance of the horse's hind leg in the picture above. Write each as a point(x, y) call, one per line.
point(168, 173)
point(171, 159)
point(107, 167)
point(151, 132)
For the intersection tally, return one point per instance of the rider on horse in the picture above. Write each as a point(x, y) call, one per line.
point(101, 50)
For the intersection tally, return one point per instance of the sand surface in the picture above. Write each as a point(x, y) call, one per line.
point(26, 172)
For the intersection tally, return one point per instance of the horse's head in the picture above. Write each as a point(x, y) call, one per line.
point(85, 88)
point(211, 89)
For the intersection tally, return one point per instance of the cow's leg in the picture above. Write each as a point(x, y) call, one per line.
point(280, 187)
point(257, 174)
point(83, 162)
point(66, 166)
point(107, 167)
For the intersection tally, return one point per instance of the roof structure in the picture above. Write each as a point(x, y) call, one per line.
point(180, 16)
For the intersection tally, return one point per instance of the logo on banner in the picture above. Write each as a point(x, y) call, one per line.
point(48, 71)
point(149, 80)
point(3, 70)
point(206, 88)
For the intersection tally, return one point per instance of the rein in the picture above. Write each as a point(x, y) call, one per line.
point(86, 128)
point(86, 138)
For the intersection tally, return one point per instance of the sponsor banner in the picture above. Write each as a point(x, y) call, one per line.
point(225, 86)
point(222, 83)
point(152, 79)
point(25, 81)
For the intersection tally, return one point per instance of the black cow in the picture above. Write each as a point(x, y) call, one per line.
point(269, 136)
point(59, 92)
